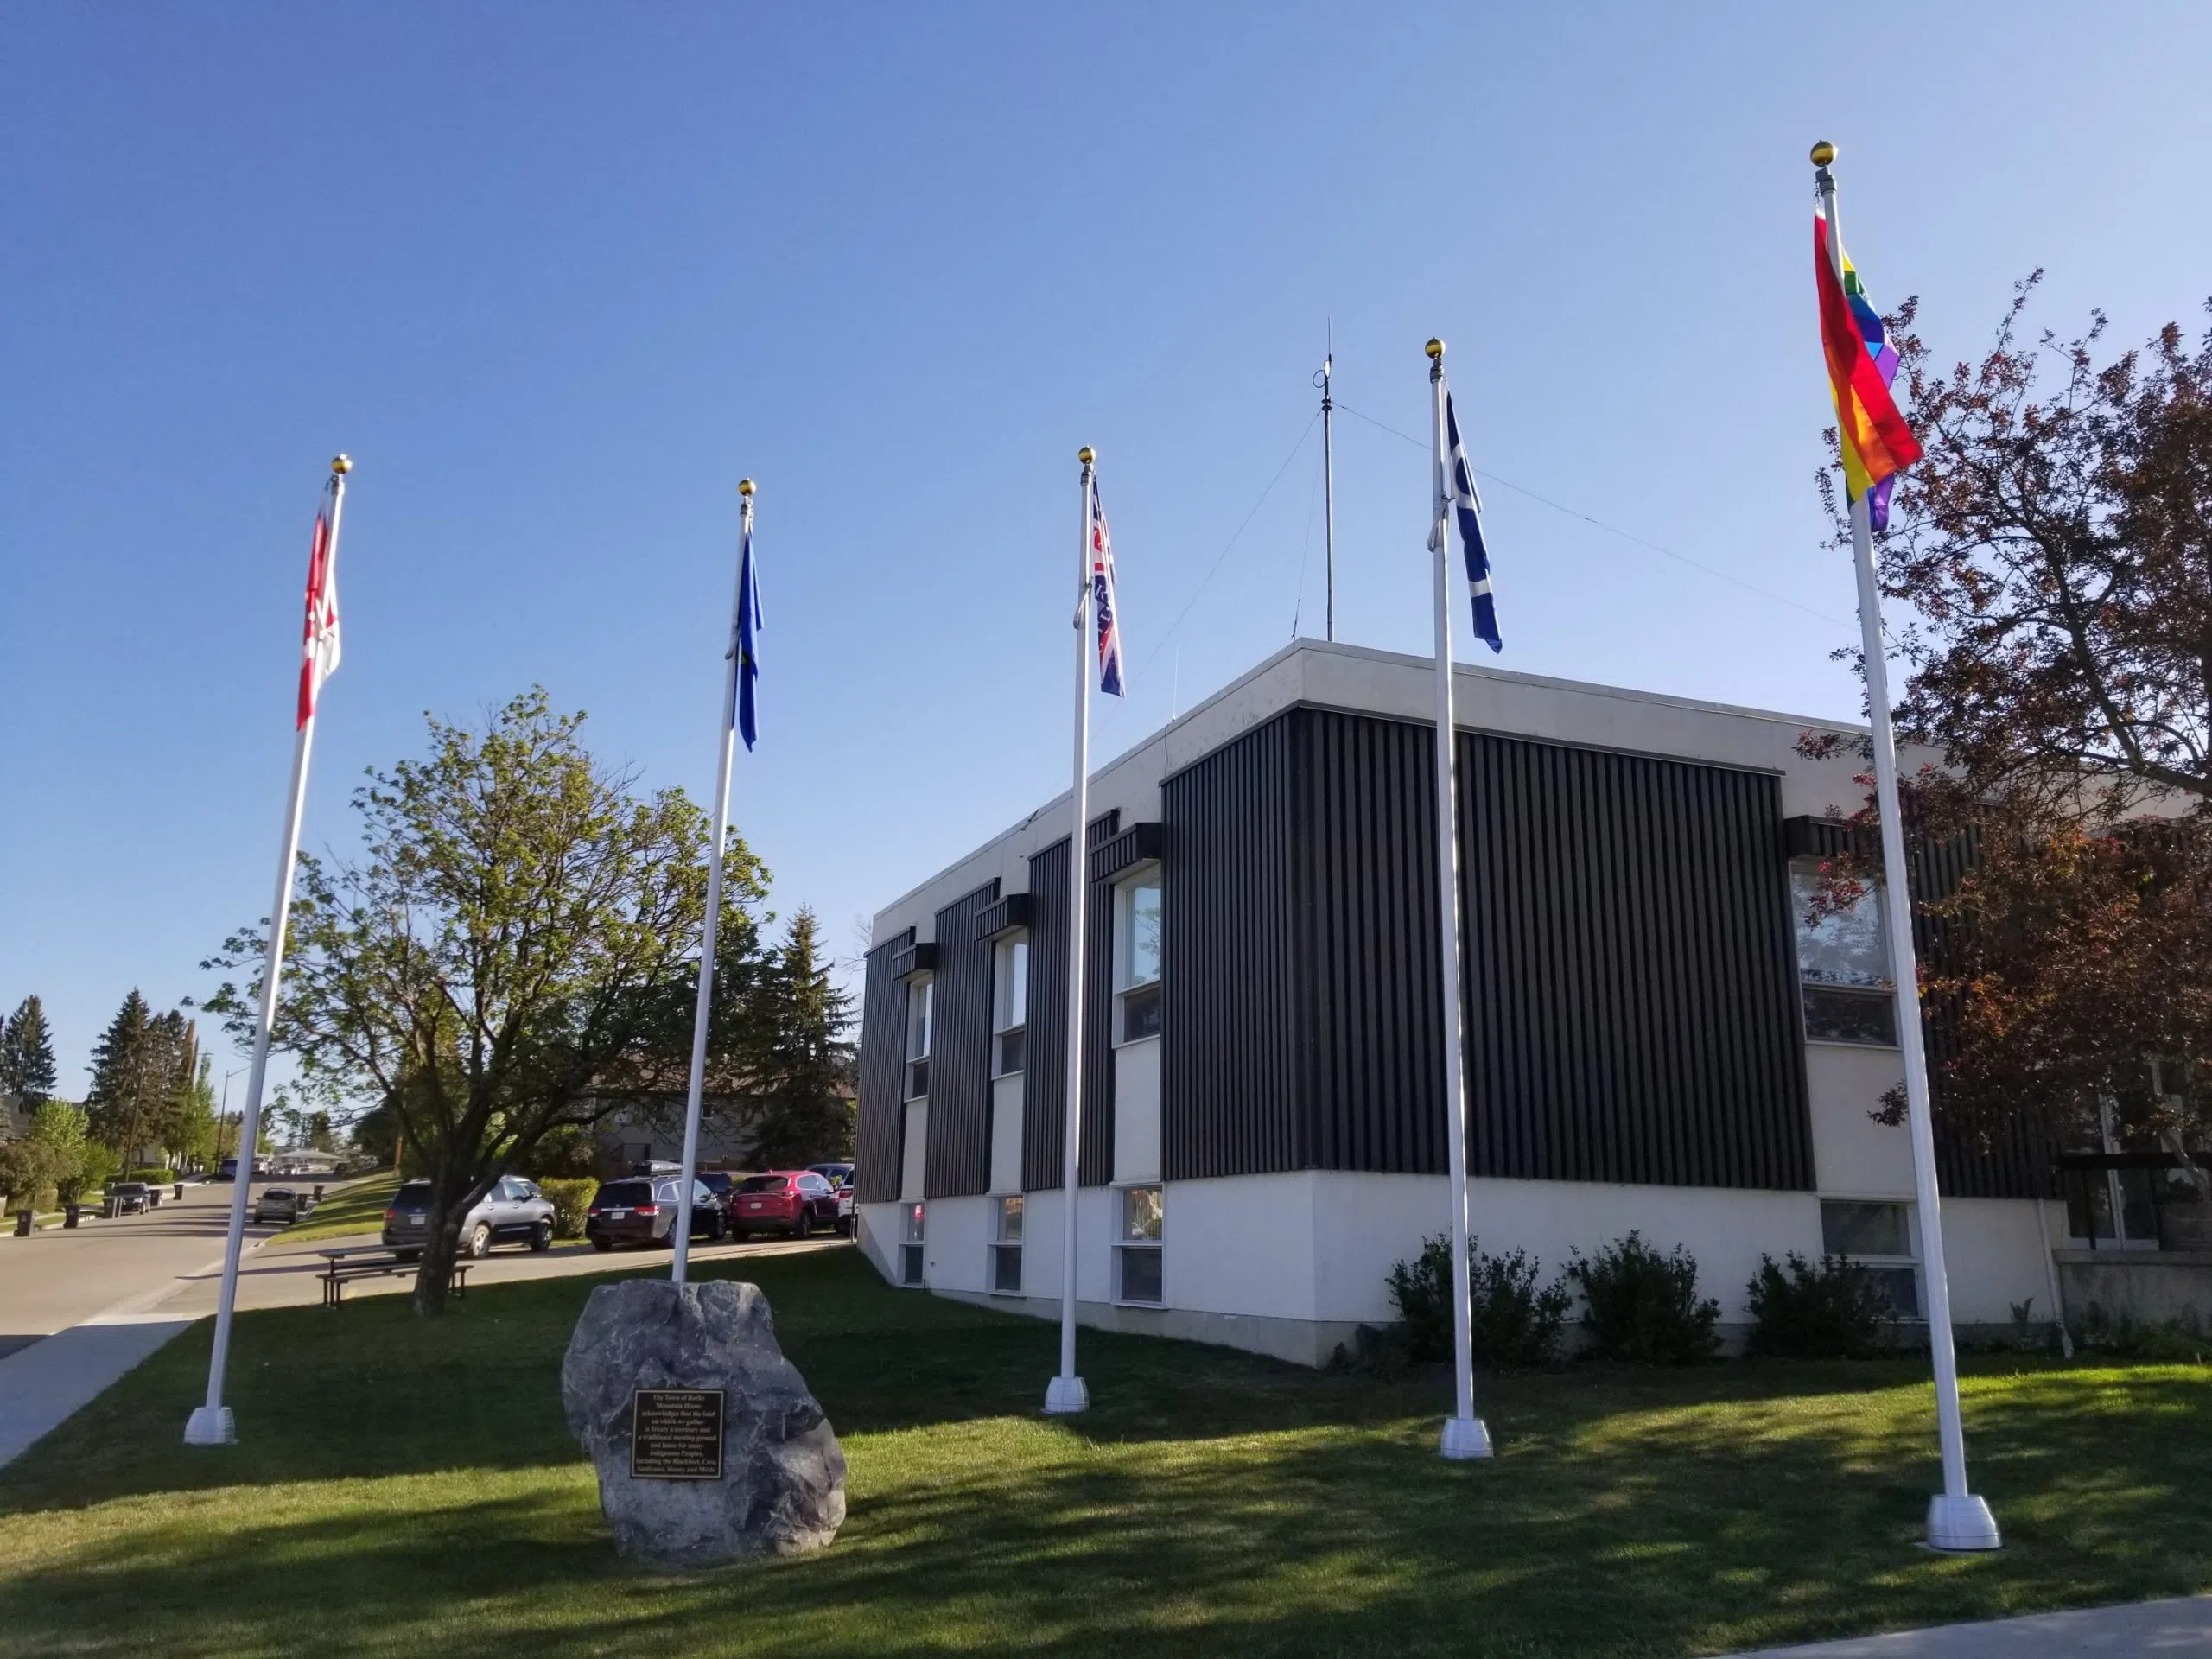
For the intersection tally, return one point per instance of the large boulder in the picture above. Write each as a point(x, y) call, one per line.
point(782, 1490)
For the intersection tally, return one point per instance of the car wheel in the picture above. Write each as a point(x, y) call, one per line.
point(805, 1227)
point(717, 1230)
point(479, 1239)
point(603, 1243)
point(844, 1227)
point(541, 1237)
point(737, 1234)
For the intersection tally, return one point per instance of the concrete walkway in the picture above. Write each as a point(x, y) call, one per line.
point(42, 1385)
point(2180, 1626)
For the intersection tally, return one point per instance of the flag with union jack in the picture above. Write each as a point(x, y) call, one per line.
point(1101, 596)
point(319, 648)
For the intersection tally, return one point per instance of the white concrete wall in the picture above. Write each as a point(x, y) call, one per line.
point(1241, 1244)
point(910, 1156)
point(1994, 1251)
point(956, 1232)
point(1137, 1111)
point(1006, 1134)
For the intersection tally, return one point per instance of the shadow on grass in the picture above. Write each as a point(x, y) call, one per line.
point(404, 1482)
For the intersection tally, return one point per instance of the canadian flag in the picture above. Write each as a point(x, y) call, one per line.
point(318, 649)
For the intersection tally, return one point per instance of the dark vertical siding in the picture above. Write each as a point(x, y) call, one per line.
point(880, 1132)
point(1366, 950)
point(1044, 1089)
point(957, 1160)
point(1234, 1059)
point(1628, 966)
point(1630, 991)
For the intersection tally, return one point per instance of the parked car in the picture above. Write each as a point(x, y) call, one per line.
point(131, 1197)
point(794, 1201)
point(841, 1176)
point(721, 1184)
point(638, 1210)
point(513, 1213)
point(276, 1203)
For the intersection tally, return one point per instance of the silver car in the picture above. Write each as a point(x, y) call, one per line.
point(513, 1213)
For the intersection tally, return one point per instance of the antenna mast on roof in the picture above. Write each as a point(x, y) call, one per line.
point(1328, 479)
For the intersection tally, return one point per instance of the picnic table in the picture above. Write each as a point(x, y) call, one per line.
point(349, 1262)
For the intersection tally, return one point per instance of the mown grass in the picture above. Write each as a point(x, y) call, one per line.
point(357, 1207)
point(405, 1487)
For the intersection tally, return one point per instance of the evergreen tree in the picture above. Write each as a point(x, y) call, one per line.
point(27, 1057)
point(132, 1078)
point(804, 1066)
point(188, 1130)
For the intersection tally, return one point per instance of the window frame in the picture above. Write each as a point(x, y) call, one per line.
point(1130, 992)
point(1127, 1243)
point(1007, 1020)
point(1884, 1262)
point(917, 1064)
point(1881, 989)
point(913, 1240)
point(1004, 1246)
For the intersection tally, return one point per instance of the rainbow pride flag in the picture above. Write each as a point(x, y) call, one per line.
point(1876, 442)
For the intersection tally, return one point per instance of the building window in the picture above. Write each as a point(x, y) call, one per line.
point(1137, 1256)
point(910, 1253)
point(1843, 964)
point(1136, 953)
point(1006, 1247)
point(1009, 1003)
point(917, 1036)
point(1876, 1236)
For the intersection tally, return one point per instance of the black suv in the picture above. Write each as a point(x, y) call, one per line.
point(639, 1211)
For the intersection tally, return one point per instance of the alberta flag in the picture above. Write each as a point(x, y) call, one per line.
point(1464, 510)
point(1101, 596)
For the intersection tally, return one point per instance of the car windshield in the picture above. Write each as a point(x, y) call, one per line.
point(624, 1192)
point(714, 1180)
point(278, 1192)
point(763, 1184)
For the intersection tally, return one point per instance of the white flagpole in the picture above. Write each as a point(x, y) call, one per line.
point(1066, 1393)
point(212, 1424)
point(697, 1084)
point(1956, 1518)
point(1464, 1435)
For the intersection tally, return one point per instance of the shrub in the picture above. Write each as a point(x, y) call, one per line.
point(569, 1200)
point(162, 1176)
point(1800, 1312)
point(1510, 1320)
point(1642, 1307)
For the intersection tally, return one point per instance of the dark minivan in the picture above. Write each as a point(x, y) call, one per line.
point(642, 1211)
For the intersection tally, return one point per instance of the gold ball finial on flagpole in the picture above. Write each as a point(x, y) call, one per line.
point(745, 487)
point(1086, 455)
point(341, 464)
point(1823, 153)
point(1435, 348)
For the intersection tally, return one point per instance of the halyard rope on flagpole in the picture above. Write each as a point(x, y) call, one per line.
point(1066, 1395)
point(212, 1424)
point(1956, 1518)
point(711, 936)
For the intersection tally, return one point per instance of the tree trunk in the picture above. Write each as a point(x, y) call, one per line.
point(441, 1247)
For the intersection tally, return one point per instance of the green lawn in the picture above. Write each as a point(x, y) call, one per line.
point(408, 1487)
point(356, 1207)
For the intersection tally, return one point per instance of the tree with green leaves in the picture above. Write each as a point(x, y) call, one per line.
point(188, 1128)
point(509, 952)
point(27, 1057)
point(60, 1129)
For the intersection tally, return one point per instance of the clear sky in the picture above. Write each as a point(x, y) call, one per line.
point(556, 275)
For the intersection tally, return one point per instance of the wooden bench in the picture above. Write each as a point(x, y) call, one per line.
point(343, 1266)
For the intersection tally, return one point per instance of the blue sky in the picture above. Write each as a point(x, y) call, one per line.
point(557, 275)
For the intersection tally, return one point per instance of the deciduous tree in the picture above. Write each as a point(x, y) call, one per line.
point(507, 953)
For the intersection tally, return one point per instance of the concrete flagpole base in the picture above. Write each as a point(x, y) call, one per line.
point(1961, 1523)
point(211, 1426)
point(1465, 1437)
point(1066, 1396)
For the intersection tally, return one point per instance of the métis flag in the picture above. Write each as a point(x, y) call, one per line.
point(745, 644)
point(318, 646)
point(1465, 511)
point(1102, 596)
point(1876, 441)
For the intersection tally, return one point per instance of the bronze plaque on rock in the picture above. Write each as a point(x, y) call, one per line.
point(675, 1434)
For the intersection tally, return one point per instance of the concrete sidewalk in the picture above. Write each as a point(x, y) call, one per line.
point(2180, 1626)
point(42, 1385)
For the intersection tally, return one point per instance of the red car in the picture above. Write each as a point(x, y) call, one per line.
point(794, 1201)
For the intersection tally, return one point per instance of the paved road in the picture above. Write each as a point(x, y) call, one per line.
point(57, 1278)
point(2182, 1626)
